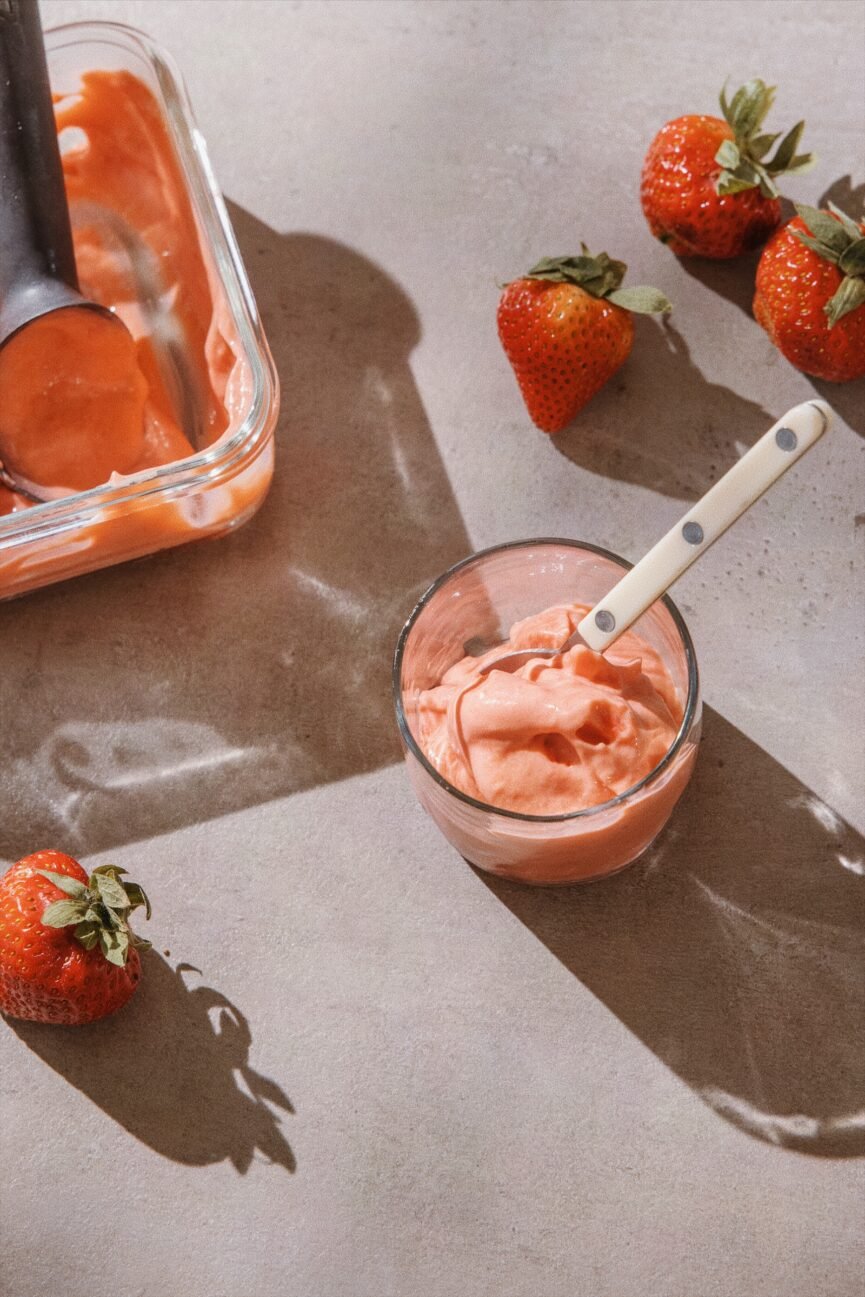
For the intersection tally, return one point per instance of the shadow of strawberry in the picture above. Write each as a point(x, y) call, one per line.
point(173, 1069)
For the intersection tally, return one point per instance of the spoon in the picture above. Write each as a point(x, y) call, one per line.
point(757, 470)
point(37, 262)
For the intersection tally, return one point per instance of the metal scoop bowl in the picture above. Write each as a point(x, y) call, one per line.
point(38, 274)
point(37, 262)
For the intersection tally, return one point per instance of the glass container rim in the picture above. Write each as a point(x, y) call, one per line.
point(224, 457)
point(585, 812)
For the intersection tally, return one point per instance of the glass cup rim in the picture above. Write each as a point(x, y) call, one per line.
point(675, 747)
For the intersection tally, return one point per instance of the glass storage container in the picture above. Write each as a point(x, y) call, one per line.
point(221, 485)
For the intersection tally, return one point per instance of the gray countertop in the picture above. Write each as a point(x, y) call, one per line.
point(355, 1067)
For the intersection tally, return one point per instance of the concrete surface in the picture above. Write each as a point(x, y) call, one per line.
point(363, 1070)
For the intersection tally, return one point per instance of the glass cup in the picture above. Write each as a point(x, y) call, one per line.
point(471, 609)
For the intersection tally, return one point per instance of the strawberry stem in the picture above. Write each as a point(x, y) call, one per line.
point(744, 160)
point(99, 910)
point(600, 276)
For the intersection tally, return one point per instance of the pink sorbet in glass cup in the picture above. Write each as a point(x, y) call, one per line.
point(603, 746)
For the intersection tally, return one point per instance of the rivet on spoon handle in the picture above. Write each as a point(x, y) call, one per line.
point(775, 452)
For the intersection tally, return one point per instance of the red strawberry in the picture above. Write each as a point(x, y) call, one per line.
point(66, 951)
point(708, 186)
point(810, 295)
point(566, 328)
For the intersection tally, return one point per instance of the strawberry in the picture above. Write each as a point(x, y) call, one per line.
point(66, 950)
point(810, 295)
point(708, 186)
point(566, 328)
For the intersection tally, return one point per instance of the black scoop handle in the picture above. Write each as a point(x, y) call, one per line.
point(35, 235)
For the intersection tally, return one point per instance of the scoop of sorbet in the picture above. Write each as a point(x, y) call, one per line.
point(72, 399)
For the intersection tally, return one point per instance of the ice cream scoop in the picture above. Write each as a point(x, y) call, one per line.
point(37, 264)
point(757, 470)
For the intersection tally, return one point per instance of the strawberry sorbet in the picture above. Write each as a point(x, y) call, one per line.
point(82, 399)
point(89, 404)
point(567, 768)
point(558, 735)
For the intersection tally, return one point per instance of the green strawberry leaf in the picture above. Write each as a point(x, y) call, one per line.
point(825, 228)
point(564, 270)
point(768, 188)
point(111, 891)
point(761, 144)
point(546, 266)
point(727, 183)
point(597, 275)
point(734, 107)
point(728, 155)
point(71, 886)
point(816, 246)
point(850, 295)
point(750, 105)
point(849, 224)
point(801, 163)
point(611, 275)
point(786, 150)
point(747, 175)
point(138, 896)
point(61, 913)
point(114, 946)
point(641, 299)
point(725, 107)
point(87, 934)
point(736, 182)
point(852, 260)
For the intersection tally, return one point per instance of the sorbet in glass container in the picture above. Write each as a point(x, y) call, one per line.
point(154, 244)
